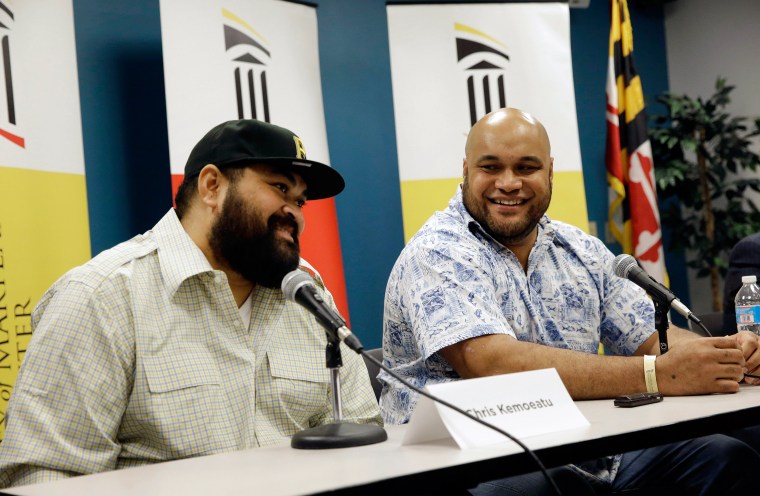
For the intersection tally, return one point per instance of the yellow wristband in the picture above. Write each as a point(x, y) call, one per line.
point(650, 377)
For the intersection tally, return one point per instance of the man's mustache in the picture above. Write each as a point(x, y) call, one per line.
point(278, 221)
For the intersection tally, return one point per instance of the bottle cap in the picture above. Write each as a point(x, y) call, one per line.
point(749, 279)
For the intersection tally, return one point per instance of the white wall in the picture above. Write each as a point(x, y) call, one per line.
point(707, 39)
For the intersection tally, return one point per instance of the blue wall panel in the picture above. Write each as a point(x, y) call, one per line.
point(125, 137)
point(121, 89)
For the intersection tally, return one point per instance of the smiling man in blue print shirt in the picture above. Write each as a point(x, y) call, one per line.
point(491, 285)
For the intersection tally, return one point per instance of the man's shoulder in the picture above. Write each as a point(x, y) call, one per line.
point(752, 239)
point(111, 262)
point(748, 247)
point(442, 228)
point(580, 248)
point(441, 239)
point(575, 237)
point(105, 277)
point(569, 229)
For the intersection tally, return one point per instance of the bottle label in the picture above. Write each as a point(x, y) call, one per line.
point(747, 315)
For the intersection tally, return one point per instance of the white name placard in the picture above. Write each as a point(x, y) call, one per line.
point(524, 404)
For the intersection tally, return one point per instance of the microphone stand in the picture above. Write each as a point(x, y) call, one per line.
point(661, 309)
point(337, 434)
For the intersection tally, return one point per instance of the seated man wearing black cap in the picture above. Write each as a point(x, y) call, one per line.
point(179, 342)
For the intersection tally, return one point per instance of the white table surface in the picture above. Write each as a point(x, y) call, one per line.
point(282, 470)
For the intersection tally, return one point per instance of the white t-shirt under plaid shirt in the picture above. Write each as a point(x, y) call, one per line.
point(141, 356)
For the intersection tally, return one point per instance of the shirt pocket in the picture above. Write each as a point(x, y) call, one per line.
point(299, 389)
point(180, 370)
point(184, 397)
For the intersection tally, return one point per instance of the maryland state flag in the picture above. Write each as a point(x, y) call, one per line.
point(634, 219)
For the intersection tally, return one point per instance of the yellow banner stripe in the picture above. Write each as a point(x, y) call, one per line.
point(44, 231)
point(421, 198)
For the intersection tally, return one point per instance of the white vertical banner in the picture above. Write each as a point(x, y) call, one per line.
point(217, 51)
point(251, 59)
point(452, 64)
point(44, 226)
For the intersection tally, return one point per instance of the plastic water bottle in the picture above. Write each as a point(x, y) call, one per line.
point(748, 305)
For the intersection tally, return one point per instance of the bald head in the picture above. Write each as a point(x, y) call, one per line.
point(508, 173)
point(507, 124)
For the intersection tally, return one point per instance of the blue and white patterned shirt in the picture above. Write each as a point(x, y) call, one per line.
point(453, 282)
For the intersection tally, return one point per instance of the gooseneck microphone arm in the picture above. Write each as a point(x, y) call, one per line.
point(627, 267)
point(661, 323)
point(334, 361)
point(298, 286)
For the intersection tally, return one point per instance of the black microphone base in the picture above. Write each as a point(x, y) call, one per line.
point(342, 435)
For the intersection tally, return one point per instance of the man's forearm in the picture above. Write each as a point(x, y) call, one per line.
point(585, 375)
point(692, 366)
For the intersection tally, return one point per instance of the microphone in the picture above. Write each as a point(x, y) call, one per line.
point(627, 267)
point(298, 286)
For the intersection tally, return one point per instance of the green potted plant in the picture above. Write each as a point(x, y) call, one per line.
point(705, 171)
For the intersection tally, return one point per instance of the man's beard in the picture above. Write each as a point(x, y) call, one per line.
point(240, 238)
point(506, 231)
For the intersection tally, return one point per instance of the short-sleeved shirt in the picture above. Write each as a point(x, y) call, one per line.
point(453, 282)
point(142, 356)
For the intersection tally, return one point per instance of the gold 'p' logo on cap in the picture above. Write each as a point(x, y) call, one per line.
point(300, 150)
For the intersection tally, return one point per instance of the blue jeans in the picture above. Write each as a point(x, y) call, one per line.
point(710, 465)
point(570, 482)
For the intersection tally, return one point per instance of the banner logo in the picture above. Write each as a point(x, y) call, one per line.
point(249, 59)
point(483, 61)
point(8, 103)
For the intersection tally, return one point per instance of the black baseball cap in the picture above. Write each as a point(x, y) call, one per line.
point(250, 140)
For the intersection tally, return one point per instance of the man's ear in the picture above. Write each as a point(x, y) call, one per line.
point(551, 169)
point(464, 167)
point(211, 185)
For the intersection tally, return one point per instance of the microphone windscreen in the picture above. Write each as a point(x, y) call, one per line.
point(623, 264)
point(293, 281)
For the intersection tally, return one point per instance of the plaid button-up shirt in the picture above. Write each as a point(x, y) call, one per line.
point(141, 356)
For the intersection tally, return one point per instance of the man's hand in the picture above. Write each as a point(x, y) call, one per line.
point(704, 365)
point(749, 343)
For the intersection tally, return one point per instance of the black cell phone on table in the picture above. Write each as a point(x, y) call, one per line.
point(638, 399)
